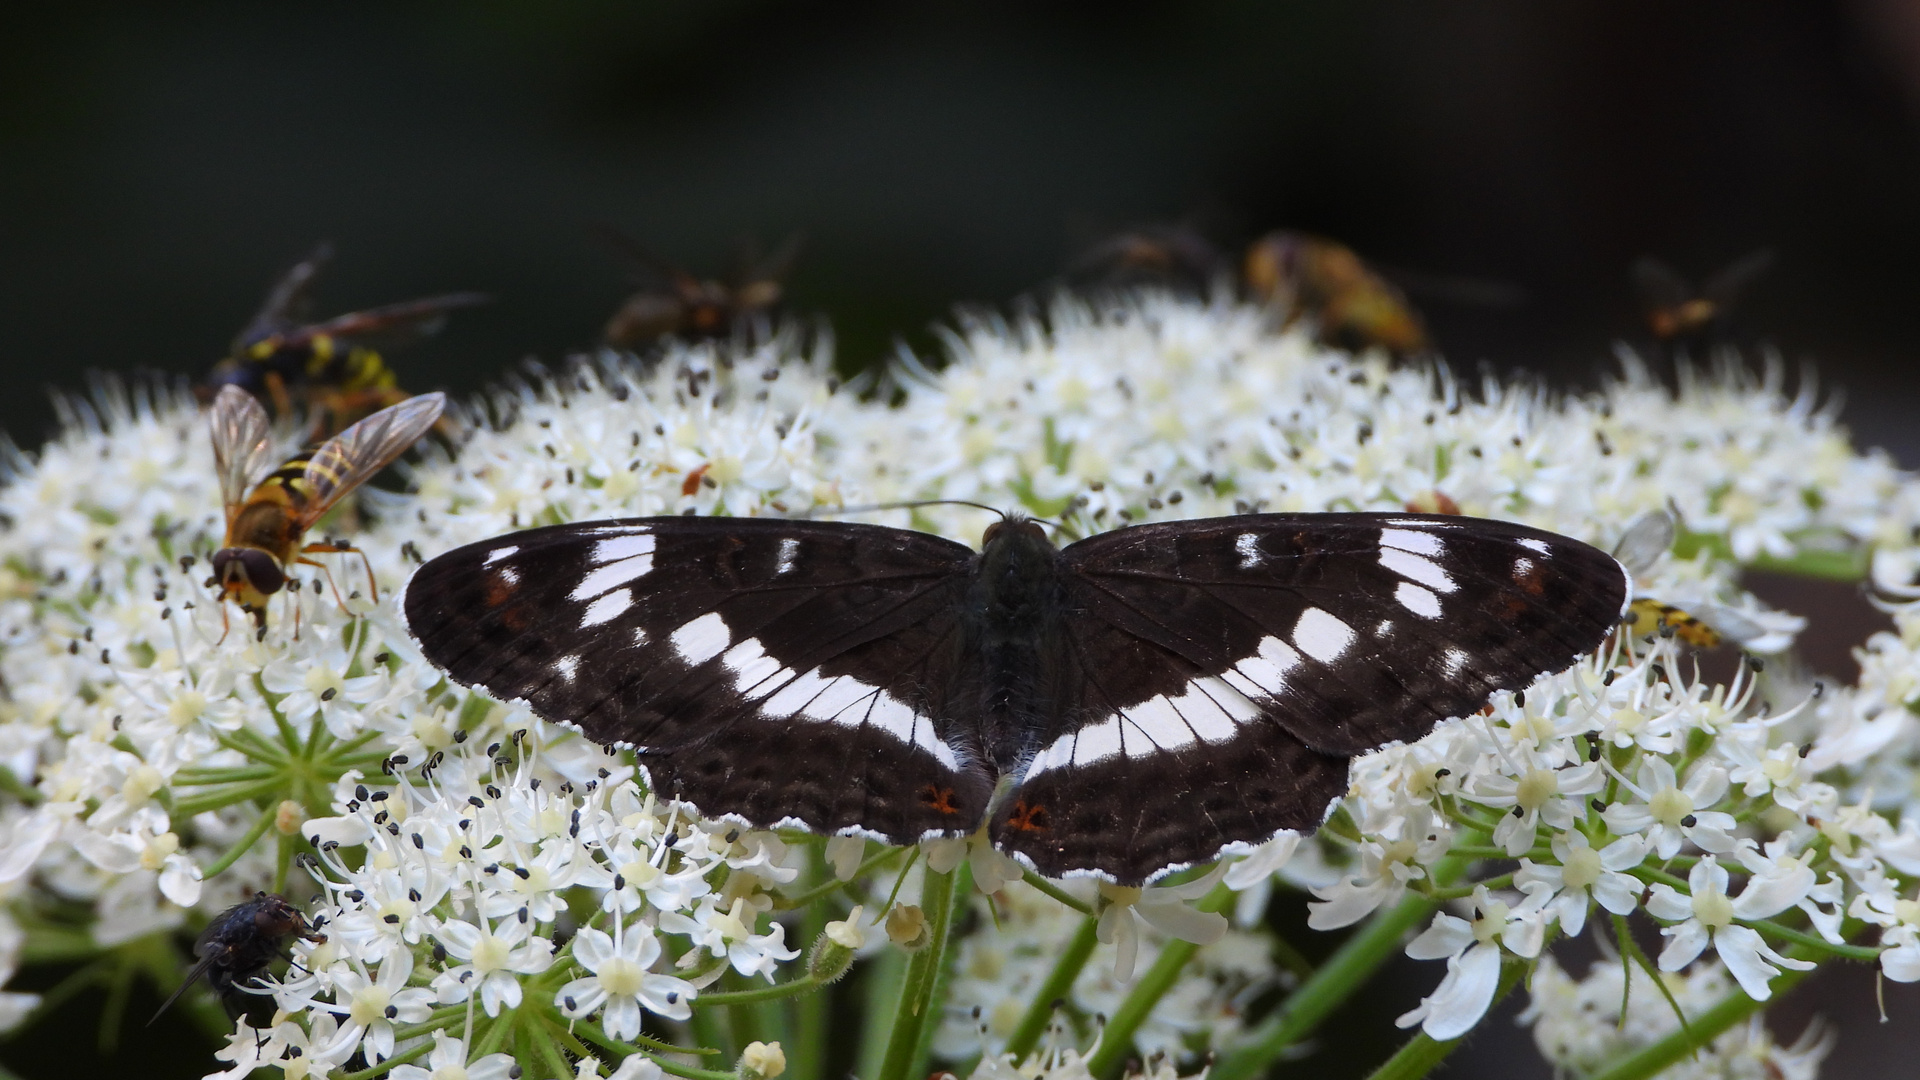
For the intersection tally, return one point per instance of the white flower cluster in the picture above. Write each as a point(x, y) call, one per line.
point(1580, 1027)
point(161, 758)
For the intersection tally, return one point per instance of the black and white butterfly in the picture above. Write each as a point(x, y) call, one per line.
point(1137, 702)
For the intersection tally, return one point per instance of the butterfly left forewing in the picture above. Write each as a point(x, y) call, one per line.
point(1238, 662)
point(776, 671)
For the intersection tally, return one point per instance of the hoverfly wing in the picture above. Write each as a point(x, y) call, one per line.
point(349, 458)
point(1658, 284)
point(393, 324)
point(1646, 538)
point(242, 444)
point(1726, 286)
point(288, 302)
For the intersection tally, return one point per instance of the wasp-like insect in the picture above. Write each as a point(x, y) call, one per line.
point(331, 367)
point(236, 948)
point(1323, 283)
point(266, 521)
point(671, 302)
point(1677, 312)
point(1166, 256)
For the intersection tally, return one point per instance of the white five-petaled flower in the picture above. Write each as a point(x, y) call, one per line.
point(369, 1006)
point(1669, 812)
point(448, 1061)
point(495, 958)
point(623, 982)
point(1704, 916)
point(1472, 950)
point(1583, 872)
point(1166, 908)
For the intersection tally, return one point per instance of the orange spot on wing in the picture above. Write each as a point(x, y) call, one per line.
point(1028, 818)
point(499, 589)
point(939, 798)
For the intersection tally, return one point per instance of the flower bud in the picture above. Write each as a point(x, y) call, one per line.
point(762, 1061)
point(907, 927)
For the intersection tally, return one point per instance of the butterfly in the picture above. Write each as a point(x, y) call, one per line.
point(1134, 703)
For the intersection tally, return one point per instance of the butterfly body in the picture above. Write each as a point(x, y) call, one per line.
point(1140, 700)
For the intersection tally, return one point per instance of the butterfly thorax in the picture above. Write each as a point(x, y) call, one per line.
point(1013, 609)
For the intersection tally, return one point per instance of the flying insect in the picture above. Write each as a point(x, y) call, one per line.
point(1169, 256)
point(331, 367)
point(672, 302)
point(1322, 283)
point(236, 948)
point(1677, 312)
point(267, 520)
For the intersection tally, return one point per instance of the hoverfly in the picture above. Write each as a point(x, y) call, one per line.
point(1678, 312)
point(333, 364)
point(1169, 256)
point(671, 302)
point(236, 948)
point(1323, 283)
point(265, 522)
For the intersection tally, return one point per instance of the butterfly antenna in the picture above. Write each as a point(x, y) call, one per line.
point(912, 504)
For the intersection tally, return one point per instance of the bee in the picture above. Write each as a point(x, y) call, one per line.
point(671, 302)
point(1322, 282)
point(1677, 312)
point(1169, 256)
point(1647, 617)
point(266, 522)
point(333, 364)
point(236, 948)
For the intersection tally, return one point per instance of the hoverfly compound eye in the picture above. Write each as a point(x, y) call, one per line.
point(263, 573)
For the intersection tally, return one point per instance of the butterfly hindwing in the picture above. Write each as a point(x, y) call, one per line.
point(769, 669)
point(1226, 669)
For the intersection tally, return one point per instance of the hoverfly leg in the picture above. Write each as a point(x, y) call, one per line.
point(341, 549)
point(277, 389)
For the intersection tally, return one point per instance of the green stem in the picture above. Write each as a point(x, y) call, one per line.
point(1059, 982)
point(759, 993)
point(1050, 889)
point(1418, 1055)
point(833, 885)
point(1701, 1030)
point(387, 1065)
point(1116, 1042)
point(1343, 974)
point(240, 847)
point(914, 1011)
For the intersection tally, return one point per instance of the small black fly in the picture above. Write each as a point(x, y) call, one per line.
point(236, 948)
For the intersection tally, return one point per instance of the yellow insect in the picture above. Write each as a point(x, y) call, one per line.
point(1647, 617)
point(1324, 283)
point(267, 520)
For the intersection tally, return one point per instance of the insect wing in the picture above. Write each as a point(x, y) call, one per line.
point(1659, 284)
point(393, 324)
point(287, 303)
point(776, 671)
point(349, 458)
point(242, 444)
point(1224, 671)
point(1725, 287)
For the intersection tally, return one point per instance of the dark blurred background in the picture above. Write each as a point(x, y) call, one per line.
point(159, 166)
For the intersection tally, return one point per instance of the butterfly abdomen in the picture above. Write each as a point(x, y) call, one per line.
point(1013, 634)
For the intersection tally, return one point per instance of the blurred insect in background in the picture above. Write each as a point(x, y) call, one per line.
point(267, 520)
point(1678, 314)
point(1165, 256)
point(333, 368)
point(671, 302)
point(1323, 284)
point(236, 948)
